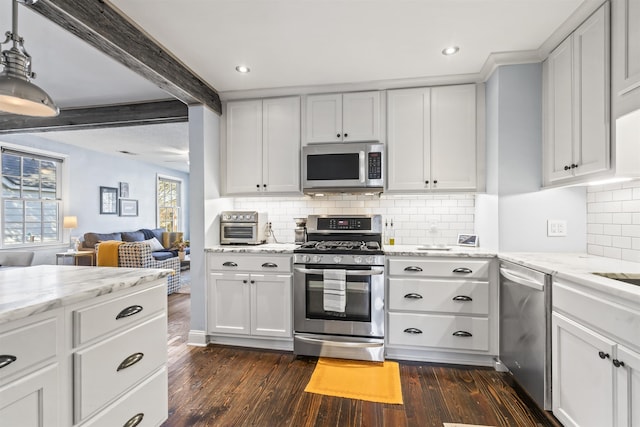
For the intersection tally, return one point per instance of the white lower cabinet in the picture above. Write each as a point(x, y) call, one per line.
point(250, 296)
point(595, 357)
point(100, 362)
point(442, 309)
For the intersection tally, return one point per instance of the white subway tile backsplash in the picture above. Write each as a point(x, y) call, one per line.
point(613, 220)
point(412, 215)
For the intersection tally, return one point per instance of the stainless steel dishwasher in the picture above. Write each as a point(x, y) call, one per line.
point(525, 329)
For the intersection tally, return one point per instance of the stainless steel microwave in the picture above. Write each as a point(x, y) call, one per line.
point(343, 167)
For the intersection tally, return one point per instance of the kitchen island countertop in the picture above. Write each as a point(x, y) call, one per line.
point(31, 290)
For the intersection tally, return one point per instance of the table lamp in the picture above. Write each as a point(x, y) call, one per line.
point(70, 222)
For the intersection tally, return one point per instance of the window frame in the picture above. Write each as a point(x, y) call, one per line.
point(60, 199)
point(179, 199)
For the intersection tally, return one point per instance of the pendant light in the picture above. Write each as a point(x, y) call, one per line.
point(17, 94)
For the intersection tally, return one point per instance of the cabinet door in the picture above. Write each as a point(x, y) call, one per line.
point(324, 118)
point(229, 301)
point(582, 375)
point(408, 143)
point(271, 305)
point(31, 401)
point(244, 146)
point(591, 58)
point(628, 388)
point(281, 144)
point(559, 112)
point(453, 137)
point(361, 116)
point(626, 56)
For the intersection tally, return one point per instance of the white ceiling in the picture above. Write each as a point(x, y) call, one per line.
point(286, 43)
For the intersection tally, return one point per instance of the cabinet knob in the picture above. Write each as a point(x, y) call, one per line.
point(229, 264)
point(462, 334)
point(413, 295)
point(464, 270)
point(346, 135)
point(462, 298)
point(603, 355)
point(258, 186)
point(435, 181)
point(270, 265)
point(264, 185)
point(6, 359)
point(617, 363)
point(414, 331)
point(412, 268)
point(573, 166)
point(252, 281)
point(244, 281)
point(426, 182)
point(338, 135)
point(567, 168)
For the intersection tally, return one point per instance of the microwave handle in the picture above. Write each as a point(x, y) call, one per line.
point(362, 169)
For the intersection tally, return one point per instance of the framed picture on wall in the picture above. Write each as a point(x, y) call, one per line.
point(128, 207)
point(108, 200)
point(124, 190)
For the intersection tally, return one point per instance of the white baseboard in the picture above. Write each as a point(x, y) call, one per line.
point(197, 338)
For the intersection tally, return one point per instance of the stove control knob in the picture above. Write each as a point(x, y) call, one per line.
point(369, 260)
point(305, 258)
point(357, 259)
point(337, 259)
point(234, 216)
point(316, 259)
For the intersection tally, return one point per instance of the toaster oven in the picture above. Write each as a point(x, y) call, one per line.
point(243, 228)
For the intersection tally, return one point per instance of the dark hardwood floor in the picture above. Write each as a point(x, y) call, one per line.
point(231, 386)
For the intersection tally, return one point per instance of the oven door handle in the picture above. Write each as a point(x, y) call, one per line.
point(348, 272)
point(341, 343)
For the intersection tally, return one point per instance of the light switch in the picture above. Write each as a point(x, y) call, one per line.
point(556, 228)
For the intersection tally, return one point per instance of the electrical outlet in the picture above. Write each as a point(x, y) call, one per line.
point(556, 228)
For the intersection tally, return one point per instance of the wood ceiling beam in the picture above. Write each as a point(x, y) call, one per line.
point(108, 30)
point(120, 115)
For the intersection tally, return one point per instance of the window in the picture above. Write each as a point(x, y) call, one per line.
point(31, 199)
point(169, 203)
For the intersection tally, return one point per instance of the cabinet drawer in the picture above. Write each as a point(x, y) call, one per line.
point(28, 346)
point(610, 318)
point(427, 330)
point(147, 401)
point(446, 268)
point(117, 314)
point(451, 296)
point(255, 263)
point(100, 372)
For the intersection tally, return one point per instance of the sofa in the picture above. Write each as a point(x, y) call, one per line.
point(160, 250)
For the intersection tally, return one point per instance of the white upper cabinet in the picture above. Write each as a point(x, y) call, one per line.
point(349, 117)
point(626, 56)
point(263, 146)
point(432, 138)
point(577, 113)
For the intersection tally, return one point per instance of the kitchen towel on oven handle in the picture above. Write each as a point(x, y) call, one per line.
point(334, 290)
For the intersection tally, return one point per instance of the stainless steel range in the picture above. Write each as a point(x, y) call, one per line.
point(338, 288)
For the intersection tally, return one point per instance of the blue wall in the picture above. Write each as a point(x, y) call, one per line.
point(87, 171)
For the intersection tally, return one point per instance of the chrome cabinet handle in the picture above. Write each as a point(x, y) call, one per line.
point(129, 311)
point(413, 331)
point(229, 264)
point(6, 360)
point(270, 265)
point(462, 270)
point(412, 268)
point(130, 361)
point(462, 298)
point(134, 421)
point(413, 296)
point(462, 334)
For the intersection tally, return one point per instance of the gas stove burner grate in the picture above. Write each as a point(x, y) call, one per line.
point(341, 245)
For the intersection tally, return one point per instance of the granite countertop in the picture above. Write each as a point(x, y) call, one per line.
point(422, 251)
point(579, 267)
point(31, 290)
point(266, 248)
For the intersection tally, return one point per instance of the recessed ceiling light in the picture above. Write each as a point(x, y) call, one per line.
point(451, 50)
point(242, 69)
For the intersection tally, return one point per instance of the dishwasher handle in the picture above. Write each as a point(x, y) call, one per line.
point(510, 275)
